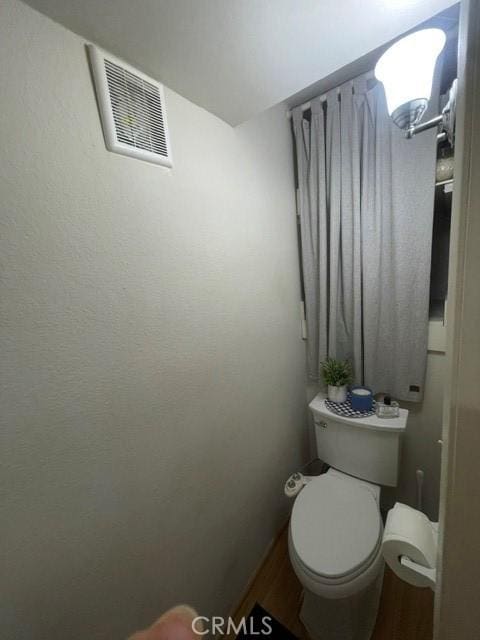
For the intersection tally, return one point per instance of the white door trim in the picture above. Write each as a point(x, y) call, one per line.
point(457, 598)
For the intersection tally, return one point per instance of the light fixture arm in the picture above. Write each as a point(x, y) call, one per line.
point(445, 121)
point(423, 126)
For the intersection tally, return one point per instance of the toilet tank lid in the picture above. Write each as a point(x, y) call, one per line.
point(335, 526)
point(391, 425)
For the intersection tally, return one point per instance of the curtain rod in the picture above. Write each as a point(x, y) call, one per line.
point(305, 106)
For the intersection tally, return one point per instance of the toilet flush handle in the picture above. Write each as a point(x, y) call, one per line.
point(322, 423)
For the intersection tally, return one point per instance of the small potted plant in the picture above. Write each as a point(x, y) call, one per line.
point(337, 375)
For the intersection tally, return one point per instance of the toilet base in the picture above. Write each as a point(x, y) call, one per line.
point(351, 618)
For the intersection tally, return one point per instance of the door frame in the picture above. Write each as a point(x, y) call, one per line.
point(457, 596)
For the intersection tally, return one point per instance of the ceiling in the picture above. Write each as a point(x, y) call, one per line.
point(237, 58)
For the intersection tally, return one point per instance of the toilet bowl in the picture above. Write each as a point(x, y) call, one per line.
point(335, 535)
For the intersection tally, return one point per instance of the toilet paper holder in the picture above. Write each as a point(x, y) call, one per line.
point(409, 530)
point(429, 575)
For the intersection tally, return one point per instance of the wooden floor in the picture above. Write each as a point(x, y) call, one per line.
point(406, 613)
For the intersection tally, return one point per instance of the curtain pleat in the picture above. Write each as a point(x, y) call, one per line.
point(397, 224)
point(310, 153)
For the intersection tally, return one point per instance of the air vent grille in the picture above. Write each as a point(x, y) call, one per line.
point(137, 110)
point(132, 108)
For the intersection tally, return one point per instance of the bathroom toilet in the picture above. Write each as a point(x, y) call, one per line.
point(336, 529)
point(343, 513)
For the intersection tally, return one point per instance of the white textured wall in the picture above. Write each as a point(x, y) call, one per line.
point(153, 396)
point(421, 449)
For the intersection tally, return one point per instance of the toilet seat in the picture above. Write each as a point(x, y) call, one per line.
point(335, 530)
point(333, 589)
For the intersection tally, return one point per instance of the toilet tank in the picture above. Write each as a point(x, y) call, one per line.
point(367, 448)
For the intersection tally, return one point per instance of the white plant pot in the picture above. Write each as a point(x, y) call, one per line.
point(337, 394)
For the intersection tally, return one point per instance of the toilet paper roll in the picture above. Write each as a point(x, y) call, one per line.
point(409, 532)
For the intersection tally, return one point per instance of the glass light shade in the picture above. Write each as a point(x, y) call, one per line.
point(406, 71)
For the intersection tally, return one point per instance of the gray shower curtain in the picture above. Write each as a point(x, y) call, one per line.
point(366, 210)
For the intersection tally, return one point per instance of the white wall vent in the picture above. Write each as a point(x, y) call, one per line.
point(132, 109)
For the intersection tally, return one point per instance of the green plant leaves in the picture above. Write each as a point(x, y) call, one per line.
point(337, 373)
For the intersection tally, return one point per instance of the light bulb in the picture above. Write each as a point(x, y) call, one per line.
point(406, 71)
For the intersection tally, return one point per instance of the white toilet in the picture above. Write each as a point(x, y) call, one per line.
point(336, 528)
